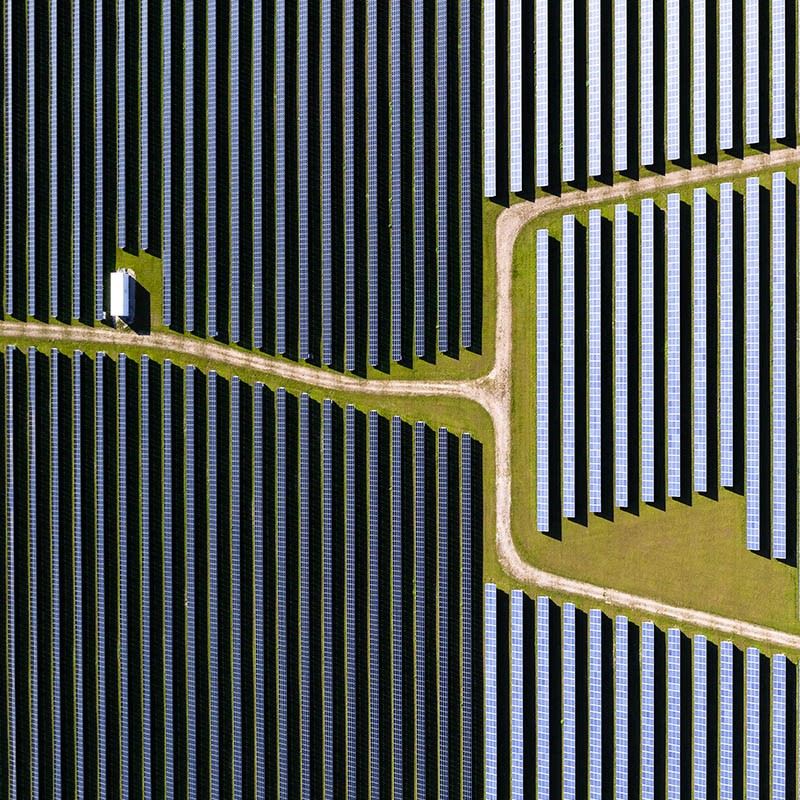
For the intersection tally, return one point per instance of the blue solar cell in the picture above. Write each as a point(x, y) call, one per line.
point(568, 712)
point(621, 708)
point(726, 762)
point(674, 345)
point(595, 363)
point(466, 616)
point(489, 101)
point(779, 346)
point(700, 723)
point(621, 352)
point(726, 74)
point(490, 688)
point(648, 351)
point(567, 90)
point(542, 383)
point(419, 178)
point(542, 76)
point(515, 94)
point(420, 606)
point(397, 607)
point(595, 88)
point(441, 174)
point(726, 333)
point(620, 85)
point(699, 75)
point(517, 696)
point(595, 704)
point(646, 77)
point(543, 696)
point(753, 391)
point(648, 735)
point(700, 387)
point(753, 725)
point(568, 364)
point(211, 166)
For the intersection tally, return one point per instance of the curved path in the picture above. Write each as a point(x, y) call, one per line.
point(492, 391)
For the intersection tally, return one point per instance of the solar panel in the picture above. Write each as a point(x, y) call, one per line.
point(674, 345)
point(542, 383)
point(620, 85)
point(490, 686)
point(213, 589)
point(239, 710)
point(257, 156)
point(280, 173)
point(673, 714)
point(188, 164)
point(99, 220)
point(191, 522)
point(779, 727)
point(753, 449)
point(779, 346)
point(515, 93)
point(595, 363)
point(621, 708)
point(542, 77)
point(326, 68)
point(753, 725)
point(121, 124)
point(211, 164)
point(100, 564)
point(349, 186)
point(350, 621)
point(700, 717)
point(77, 577)
point(568, 364)
point(30, 172)
point(778, 34)
point(567, 90)
point(166, 152)
point(673, 80)
point(144, 124)
point(595, 89)
point(397, 608)
point(144, 468)
point(465, 135)
point(646, 77)
point(281, 499)
point(441, 175)
point(489, 113)
point(375, 738)
point(621, 348)
point(543, 696)
point(33, 661)
point(122, 567)
point(595, 704)
point(699, 75)
point(420, 606)
point(517, 696)
point(302, 170)
point(752, 52)
point(305, 596)
point(726, 763)
point(8, 138)
point(419, 178)
point(648, 712)
point(726, 74)
point(55, 570)
point(466, 616)
point(328, 467)
point(75, 127)
point(53, 198)
point(700, 387)
point(726, 333)
point(397, 182)
point(167, 576)
point(648, 350)
point(568, 761)
point(443, 658)
point(372, 195)
point(10, 651)
point(259, 584)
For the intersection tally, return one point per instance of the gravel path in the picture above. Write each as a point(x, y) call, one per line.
point(492, 391)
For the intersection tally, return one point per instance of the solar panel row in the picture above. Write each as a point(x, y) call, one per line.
point(8, 140)
point(701, 726)
point(257, 155)
point(595, 704)
point(517, 696)
point(55, 561)
point(121, 125)
point(620, 85)
point(751, 51)
point(515, 93)
point(442, 253)
point(305, 596)
point(699, 76)
point(280, 175)
point(350, 186)
point(211, 166)
point(673, 80)
point(543, 696)
point(167, 580)
point(779, 364)
point(489, 103)
point(779, 98)
point(568, 364)
point(190, 572)
point(419, 177)
point(372, 198)
point(397, 183)
point(465, 136)
point(144, 124)
point(239, 710)
point(166, 155)
point(281, 499)
point(567, 90)
point(420, 605)
point(726, 74)
point(466, 617)
point(144, 685)
point(260, 579)
point(122, 569)
point(622, 707)
point(726, 334)
point(569, 750)
point(753, 724)
point(648, 711)
point(30, 145)
point(397, 609)
point(700, 386)
point(100, 571)
point(214, 689)
point(595, 88)
point(10, 646)
point(33, 624)
point(595, 362)
point(444, 612)
point(542, 82)
point(490, 687)
point(647, 81)
point(303, 166)
point(753, 391)
point(52, 122)
point(780, 724)
point(542, 382)
point(375, 714)
point(188, 165)
point(726, 758)
point(648, 349)
point(621, 350)
point(328, 468)
point(350, 602)
point(674, 345)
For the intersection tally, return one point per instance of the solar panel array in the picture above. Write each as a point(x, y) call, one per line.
point(726, 74)
point(33, 574)
point(568, 711)
point(542, 382)
point(543, 776)
point(700, 387)
point(567, 89)
point(595, 88)
point(542, 107)
point(647, 282)
point(11, 606)
point(700, 713)
point(518, 696)
point(648, 711)
point(779, 348)
point(595, 704)
point(444, 660)
point(55, 561)
point(620, 85)
point(568, 375)
point(420, 650)
point(726, 699)
point(490, 677)
point(673, 80)
point(674, 345)
point(647, 82)
point(621, 707)
point(752, 365)
point(191, 451)
point(699, 61)
point(753, 723)
point(779, 727)
point(621, 351)
point(595, 334)
point(489, 101)
point(100, 570)
point(751, 78)
point(779, 98)
point(726, 334)
point(515, 93)
point(375, 520)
